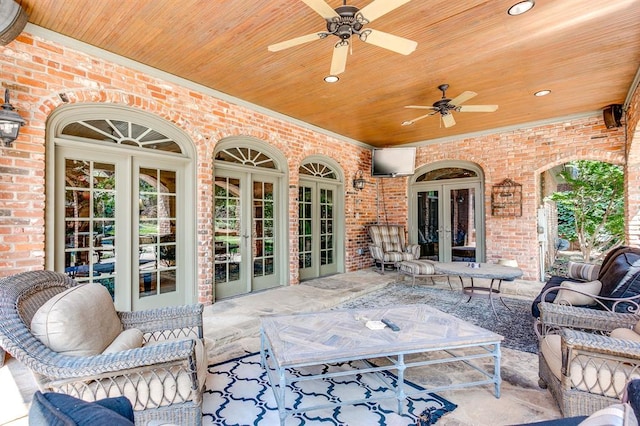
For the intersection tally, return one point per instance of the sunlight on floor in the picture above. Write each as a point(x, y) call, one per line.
point(13, 407)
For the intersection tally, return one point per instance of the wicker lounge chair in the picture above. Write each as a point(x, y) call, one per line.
point(586, 356)
point(162, 378)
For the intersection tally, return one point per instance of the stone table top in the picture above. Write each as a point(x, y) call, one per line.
point(331, 336)
point(484, 270)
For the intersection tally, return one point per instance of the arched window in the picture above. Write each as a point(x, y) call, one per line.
point(119, 185)
point(250, 217)
point(446, 211)
point(320, 218)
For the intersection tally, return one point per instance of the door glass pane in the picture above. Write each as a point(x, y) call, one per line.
point(90, 203)
point(227, 230)
point(462, 214)
point(428, 226)
point(156, 231)
point(326, 226)
point(263, 215)
point(304, 227)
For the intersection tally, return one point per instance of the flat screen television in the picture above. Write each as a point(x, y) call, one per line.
point(392, 162)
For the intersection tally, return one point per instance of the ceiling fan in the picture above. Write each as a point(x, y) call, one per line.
point(346, 21)
point(446, 106)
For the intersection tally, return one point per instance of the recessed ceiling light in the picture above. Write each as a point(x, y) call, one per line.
point(521, 7)
point(542, 92)
point(331, 78)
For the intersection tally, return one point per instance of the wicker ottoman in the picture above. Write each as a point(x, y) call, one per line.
point(417, 268)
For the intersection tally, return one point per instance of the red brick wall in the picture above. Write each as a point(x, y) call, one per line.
point(37, 70)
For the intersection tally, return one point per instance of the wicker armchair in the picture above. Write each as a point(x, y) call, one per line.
point(163, 378)
point(388, 245)
point(587, 356)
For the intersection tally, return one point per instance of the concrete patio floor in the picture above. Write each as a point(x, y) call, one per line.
point(233, 326)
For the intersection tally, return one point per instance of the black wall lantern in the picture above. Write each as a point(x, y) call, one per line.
point(10, 122)
point(358, 181)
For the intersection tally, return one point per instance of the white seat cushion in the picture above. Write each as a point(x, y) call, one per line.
point(129, 339)
point(597, 376)
point(80, 321)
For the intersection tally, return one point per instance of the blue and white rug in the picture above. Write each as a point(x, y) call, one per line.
point(238, 393)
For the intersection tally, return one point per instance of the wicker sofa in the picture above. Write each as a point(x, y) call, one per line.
point(157, 359)
point(618, 277)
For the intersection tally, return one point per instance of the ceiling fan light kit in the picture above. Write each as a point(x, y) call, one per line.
point(445, 106)
point(346, 21)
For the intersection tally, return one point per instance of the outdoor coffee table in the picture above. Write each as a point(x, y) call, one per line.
point(494, 272)
point(310, 339)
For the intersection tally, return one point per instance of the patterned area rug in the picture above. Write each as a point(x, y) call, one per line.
point(238, 393)
point(515, 323)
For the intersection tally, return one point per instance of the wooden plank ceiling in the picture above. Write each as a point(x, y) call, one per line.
point(586, 52)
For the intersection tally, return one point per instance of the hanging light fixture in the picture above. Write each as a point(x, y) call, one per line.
point(358, 181)
point(10, 122)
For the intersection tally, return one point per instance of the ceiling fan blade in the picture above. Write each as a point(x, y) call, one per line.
point(293, 42)
point(322, 8)
point(392, 42)
point(420, 107)
point(477, 108)
point(462, 97)
point(448, 120)
point(410, 122)
point(377, 8)
point(339, 58)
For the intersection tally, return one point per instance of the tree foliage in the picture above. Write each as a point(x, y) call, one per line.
point(591, 211)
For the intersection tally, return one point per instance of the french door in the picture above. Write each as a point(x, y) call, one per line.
point(317, 242)
point(246, 242)
point(118, 225)
point(447, 221)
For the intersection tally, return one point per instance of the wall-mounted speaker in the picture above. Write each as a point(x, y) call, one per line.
point(13, 19)
point(612, 115)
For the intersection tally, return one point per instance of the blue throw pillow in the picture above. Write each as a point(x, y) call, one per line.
point(56, 409)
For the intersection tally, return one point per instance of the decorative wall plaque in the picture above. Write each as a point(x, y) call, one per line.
point(506, 199)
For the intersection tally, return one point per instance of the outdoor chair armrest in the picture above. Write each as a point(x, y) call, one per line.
point(604, 346)
point(554, 316)
point(415, 249)
point(166, 323)
point(151, 377)
point(58, 366)
point(376, 252)
point(629, 304)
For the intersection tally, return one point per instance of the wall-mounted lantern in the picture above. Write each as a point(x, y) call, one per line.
point(358, 181)
point(10, 122)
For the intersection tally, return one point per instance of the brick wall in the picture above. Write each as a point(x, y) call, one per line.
point(632, 175)
point(37, 71)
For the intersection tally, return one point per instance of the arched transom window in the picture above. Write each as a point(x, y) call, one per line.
point(318, 170)
point(246, 157)
point(121, 132)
